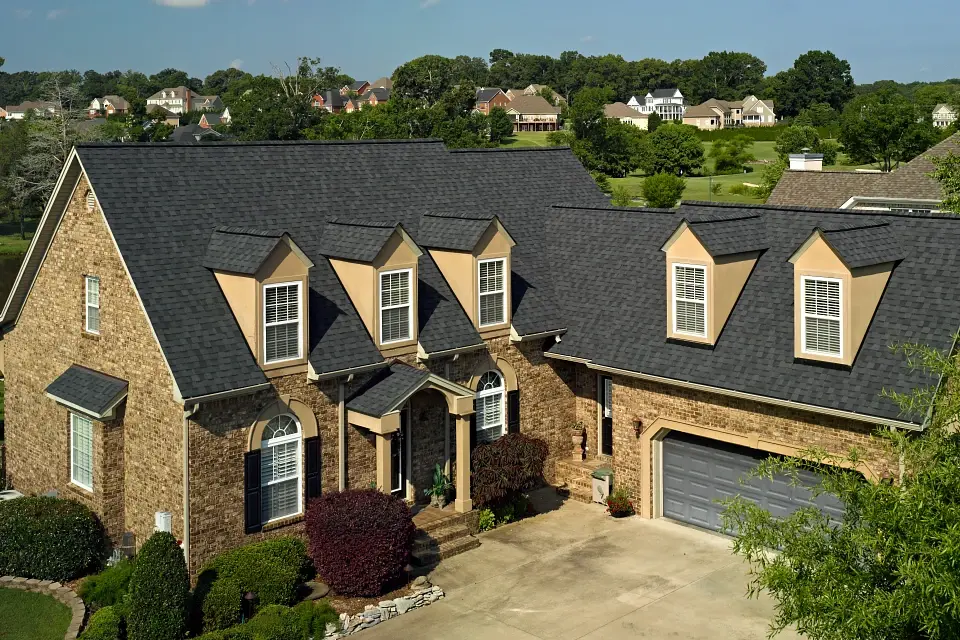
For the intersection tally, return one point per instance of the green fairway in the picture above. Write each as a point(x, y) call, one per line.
point(10, 241)
point(698, 188)
point(527, 139)
point(25, 615)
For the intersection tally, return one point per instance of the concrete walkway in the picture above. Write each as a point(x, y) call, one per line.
point(574, 572)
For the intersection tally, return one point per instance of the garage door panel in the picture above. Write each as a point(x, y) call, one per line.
point(699, 473)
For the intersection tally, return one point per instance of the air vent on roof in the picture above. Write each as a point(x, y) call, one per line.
point(91, 201)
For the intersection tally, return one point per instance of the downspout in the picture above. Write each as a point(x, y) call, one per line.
point(188, 412)
point(342, 433)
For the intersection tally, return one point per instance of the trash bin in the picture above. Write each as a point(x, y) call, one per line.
point(602, 484)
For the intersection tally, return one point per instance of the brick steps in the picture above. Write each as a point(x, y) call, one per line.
point(575, 479)
point(428, 556)
point(443, 538)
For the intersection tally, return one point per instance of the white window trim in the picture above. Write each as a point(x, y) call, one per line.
point(87, 306)
point(263, 310)
point(803, 317)
point(273, 442)
point(409, 305)
point(502, 392)
point(706, 299)
point(74, 481)
point(503, 291)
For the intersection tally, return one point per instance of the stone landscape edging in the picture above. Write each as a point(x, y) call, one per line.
point(59, 592)
point(423, 594)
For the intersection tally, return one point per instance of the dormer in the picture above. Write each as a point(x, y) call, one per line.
point(474, 256)
point(264, 276)
point(840, 273)
point(708, 261)
point(377, 265)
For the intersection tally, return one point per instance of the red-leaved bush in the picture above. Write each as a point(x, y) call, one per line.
point(359, 540)
point(503, 468)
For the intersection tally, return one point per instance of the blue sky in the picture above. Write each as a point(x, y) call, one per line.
point(369, 38)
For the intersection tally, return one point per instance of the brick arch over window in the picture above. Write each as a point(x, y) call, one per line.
point(286, 404)
point(499, 364)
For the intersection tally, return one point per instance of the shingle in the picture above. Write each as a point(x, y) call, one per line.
point(360, 242)
point(486, 94)
point(90, 390)
point(864, 246)
point(239, 250)
point(609, 278)
point(456, 234)
point(386, 388)
point(724, 235)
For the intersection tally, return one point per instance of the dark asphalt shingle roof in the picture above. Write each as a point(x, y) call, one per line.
point(617, 307)
point(864, 246)
point(486, 94)
point(386, 388)
point(239, 250)
point(724, 235)
point(90, 390)
point(448, 232)
point(300, 187)
point(354, 241)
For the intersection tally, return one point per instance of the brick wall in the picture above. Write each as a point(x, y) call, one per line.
point(137, 459)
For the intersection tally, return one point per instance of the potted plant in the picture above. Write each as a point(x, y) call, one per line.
point(619, 504)
point(579, 437)
point(439, 489)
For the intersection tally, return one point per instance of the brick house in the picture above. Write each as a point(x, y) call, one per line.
point(533, 113)
point(490, 97)
point(227, 361)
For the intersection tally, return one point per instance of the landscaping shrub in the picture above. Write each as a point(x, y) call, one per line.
point(49, 539)
point(619, 503)
point(740, 189)
point(313, 618)
point(487, 520)
point(360, 540)
point(159, 591)
point(222, 605)
point(758, 134)
point(236, 633)
point(273, 569)
point(275, 622)
point(108, 587)
point(105, 624)
point(506, 467)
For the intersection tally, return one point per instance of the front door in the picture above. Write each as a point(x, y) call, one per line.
point(606, 415)
point(398, 458)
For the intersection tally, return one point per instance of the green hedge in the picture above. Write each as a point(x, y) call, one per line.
point(758, 134)
point(108, 587)
point(49, 539)
point(159, 591)
point(105, 624)
point(222, 605)
point(272, 569)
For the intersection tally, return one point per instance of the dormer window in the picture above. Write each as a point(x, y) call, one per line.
point(822, 323)
point(690, 299)
point(281, 313)
point(395, 307)
point(493, 296)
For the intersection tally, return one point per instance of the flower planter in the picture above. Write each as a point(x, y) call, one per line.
point(577, 439)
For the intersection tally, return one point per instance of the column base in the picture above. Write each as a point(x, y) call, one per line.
point(463, 505)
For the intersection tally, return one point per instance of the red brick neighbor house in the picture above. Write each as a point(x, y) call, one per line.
point(490, 97)
point(227, 361)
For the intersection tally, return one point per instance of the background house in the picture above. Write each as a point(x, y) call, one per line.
point(358, 87)
point(20, 111)
point(490, 97)
point(944, 115)
point(183, 100)
point(625, 114)
point(719, 114)
point(669, 104)
point(108, 105)
point(533, 113)
point(705, 116)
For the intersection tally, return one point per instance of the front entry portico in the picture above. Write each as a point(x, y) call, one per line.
point(383, 407)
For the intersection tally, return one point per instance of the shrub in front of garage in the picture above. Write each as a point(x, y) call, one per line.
point(506, 468)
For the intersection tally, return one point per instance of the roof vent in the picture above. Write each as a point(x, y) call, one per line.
point(91, 201)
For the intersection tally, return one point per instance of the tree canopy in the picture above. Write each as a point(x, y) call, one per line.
point(815, 77)
point(674, 149)
point(886, 128)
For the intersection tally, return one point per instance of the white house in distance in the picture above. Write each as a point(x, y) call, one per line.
point(183, 100)
point(720, 114)
point(20, 111)
point(625, 114)
point(944, 116)
point(668, 103)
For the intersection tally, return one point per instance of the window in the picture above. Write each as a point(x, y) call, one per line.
point(690, 299)
point(281, 325)
point(607, 397)
point(493, 292)
point(820, 324)
point(92, 315)
point(395, 306)
point(280, 469)
point(490, 420)
point(81, 451)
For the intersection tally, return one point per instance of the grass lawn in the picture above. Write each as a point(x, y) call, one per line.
point(10, 241)
point(698, 188)
point(25, 615)
point(527, 139)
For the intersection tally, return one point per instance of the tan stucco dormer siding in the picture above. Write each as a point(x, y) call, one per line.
point(725, 277)
point(861, 288)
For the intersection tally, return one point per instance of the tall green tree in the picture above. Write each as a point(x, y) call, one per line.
point(654, 121)
point(673, 149)
point(731, 155)
point(663, 190)
point(501, 126)
point(217, 83)
point(947, 172)
point(424, 79)
point(728, 75)
point(890, 570)
point(819, 114)
point(816, 76)
point(885, 128)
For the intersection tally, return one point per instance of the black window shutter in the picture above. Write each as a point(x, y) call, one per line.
point(251, 492)
point(513, 411)
point(312, 446)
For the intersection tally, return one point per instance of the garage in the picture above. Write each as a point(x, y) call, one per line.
point(697, 472)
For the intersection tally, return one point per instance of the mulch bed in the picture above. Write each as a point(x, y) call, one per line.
point(353, 606)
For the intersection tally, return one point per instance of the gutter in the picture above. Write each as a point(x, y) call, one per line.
point(343, 372)
point(838, 413)
point(188, 412)
point(560, 356)
point(424, 355)
point(222, 395)
point(516, 337)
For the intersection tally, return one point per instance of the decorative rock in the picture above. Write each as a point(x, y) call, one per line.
point(317, 590)
point(369, 607)
point(404, 604)
point(386, 603)
point(19, 581)
point(53, 586)
point(420, 582)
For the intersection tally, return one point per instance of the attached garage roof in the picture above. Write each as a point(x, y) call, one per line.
point(89, 391)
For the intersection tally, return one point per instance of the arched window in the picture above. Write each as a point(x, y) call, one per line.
point(280, 483)
point(489, 407)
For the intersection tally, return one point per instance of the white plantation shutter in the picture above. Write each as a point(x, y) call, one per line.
point(92, 304)
point(690, 299)
point(81, 451)
point(492, 292)
point(281, 322)
point(821, 332)
point(489, 407)
point(395, 306)
point(280, 468)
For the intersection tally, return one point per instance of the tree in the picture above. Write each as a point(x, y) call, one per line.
point(159, 591)
point(731, 155)
point(769, 178)
point(424, 79)
point(470, 70)
point(501, 125)
point(889, 571)
point(727, 75)
point(663, 190)
point(885, 128)
point(675, 149)
point(947, 172)
point(794, 139)
point(816, 76)
point(819, 114)
point(621, 197)
point(654, 121)
point(172, 78)
point(217, 83)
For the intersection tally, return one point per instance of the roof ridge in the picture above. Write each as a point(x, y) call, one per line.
point(366, 224)
point(856, 227)
point(509, 149)
point(248, 231)
point(459, 217)
point(256, 143)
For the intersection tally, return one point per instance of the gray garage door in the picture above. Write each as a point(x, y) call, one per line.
point(697, 472)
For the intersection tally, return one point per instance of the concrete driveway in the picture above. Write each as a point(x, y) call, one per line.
point(574, 572)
